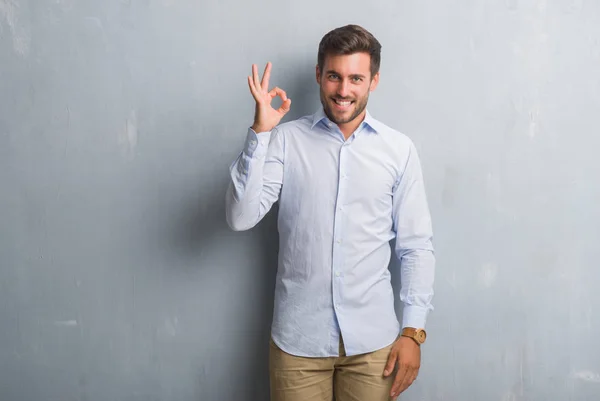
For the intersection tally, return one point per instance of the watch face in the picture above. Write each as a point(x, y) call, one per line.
point(421, 335)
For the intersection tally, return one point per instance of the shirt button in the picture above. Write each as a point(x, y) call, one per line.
point(337, 274)
point(339, 241)
point(253, 142)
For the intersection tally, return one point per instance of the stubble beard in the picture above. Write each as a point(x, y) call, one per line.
point(359, 106)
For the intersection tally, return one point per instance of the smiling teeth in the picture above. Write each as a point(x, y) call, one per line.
point(343, 103)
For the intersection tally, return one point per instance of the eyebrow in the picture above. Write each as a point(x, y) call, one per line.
point(351, 75)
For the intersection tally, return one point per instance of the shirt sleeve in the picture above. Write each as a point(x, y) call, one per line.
point(414, 243)
point(255, 179)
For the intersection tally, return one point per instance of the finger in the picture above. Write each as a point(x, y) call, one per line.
point(391, 363)
point(255, 77)
point(252, 88)
point(278, 92)
point(398, 381)
point(408, 379)
point(285, 107)
point(266, 77)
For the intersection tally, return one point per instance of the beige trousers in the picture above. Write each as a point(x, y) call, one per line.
point(343, 378)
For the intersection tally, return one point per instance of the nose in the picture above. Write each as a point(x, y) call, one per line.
point(342, 90)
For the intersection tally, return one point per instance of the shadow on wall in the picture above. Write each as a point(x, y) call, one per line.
point(203, 218)
point(201, 228)
point(304, 91)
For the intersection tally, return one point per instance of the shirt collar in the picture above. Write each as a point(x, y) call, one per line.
point(320, 115)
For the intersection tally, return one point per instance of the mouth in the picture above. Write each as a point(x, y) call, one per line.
point(342, 104)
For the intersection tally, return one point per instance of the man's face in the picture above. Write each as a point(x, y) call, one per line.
point(345, 84)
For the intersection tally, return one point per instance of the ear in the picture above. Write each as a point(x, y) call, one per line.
point(318, 74)
point(374, 82)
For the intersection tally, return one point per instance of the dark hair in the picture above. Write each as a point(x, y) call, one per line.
point(350, 39)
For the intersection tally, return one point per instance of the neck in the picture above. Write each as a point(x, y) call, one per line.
point(351, 126)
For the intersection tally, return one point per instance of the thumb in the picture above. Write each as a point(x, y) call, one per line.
point(389, 367)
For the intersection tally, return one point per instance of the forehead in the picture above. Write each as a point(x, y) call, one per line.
point(348, 64)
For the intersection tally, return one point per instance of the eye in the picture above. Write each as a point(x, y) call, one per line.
point(357, 79)
point(333, 76)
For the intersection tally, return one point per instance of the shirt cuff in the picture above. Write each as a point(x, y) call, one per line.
point(414, 316)
point(257, 143)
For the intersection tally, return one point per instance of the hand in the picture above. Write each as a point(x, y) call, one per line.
point(265, 116)
point(407, 354)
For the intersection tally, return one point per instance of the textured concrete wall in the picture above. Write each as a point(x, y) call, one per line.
point(119, 279)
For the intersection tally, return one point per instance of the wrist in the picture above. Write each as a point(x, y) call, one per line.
point(418, 335)
point(260, 128)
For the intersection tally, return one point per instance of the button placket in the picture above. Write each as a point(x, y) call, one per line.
point(337, 268)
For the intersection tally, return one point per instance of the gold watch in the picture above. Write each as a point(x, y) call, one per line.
point(418, 335)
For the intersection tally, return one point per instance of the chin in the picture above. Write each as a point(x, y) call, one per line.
point(342, 115)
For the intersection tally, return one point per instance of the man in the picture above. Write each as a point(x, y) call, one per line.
point(346, 184)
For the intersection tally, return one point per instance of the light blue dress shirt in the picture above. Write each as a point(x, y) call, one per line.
point(341, 202)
